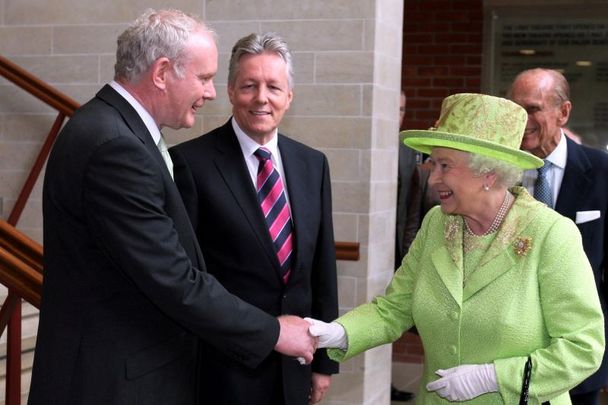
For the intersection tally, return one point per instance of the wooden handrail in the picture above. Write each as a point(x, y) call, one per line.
point(30, 182)
point(19, 245)
point(347, 251)
point(21, 278)
point(21, 263)
point(37, 87)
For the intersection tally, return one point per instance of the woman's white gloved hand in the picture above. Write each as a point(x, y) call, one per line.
point(464, 382)
point(330, 334)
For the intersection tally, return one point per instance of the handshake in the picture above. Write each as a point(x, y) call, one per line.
point(301, 337)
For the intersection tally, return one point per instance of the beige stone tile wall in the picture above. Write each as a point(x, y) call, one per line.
point(347, 59)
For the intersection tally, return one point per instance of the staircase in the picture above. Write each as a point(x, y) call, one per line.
point(20, 258)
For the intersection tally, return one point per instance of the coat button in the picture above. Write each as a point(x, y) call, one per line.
point(452, 349)
point(454, 315)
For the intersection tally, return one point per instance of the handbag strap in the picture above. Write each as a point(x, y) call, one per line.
point(525, 385)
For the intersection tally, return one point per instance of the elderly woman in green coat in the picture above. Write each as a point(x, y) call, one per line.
point(495, 282)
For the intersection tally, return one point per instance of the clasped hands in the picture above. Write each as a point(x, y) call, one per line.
point(300, 338)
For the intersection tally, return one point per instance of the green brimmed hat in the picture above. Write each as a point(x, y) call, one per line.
point(480, 124)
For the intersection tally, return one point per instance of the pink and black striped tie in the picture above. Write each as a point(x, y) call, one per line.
point(273, 201)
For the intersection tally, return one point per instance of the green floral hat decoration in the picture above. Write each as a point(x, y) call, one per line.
point(480, 124)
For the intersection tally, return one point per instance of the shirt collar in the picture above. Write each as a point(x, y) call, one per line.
point(248, 145)
point(560, 154)
point(141, 111)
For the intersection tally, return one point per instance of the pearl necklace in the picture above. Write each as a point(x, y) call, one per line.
point(500, 216)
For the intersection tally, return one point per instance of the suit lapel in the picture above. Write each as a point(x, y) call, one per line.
point(448, 259)
point(139, 129)
point(234, 172)
point(487, 272)
point(575, 182)
point(133, 120)
point(128, 113)
point(449, 272)
point(501, 256)
point(295, 168)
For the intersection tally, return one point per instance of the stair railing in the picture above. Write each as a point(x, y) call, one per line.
point(21, 263)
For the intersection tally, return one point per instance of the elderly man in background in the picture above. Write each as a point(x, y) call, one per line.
point(572, 182)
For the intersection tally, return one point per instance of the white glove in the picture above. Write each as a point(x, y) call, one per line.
point(329, 334)
point(464, 382)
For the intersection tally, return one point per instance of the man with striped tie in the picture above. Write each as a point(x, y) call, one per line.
point(260, 204)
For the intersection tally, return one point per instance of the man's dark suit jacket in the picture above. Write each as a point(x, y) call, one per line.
point(585, 188)
point(406, 165)
point(220, 198)
point(124, 282)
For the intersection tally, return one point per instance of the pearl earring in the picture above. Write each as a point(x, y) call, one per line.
point(486, 187)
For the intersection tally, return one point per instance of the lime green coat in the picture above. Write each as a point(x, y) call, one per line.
point(532, 294)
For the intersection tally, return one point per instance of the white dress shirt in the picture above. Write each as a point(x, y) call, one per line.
point(249, 146)
point(141, 111)
point(148, 122)
point(555, 174)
